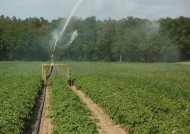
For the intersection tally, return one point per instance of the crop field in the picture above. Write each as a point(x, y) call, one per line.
point(20, 83)
point(69, 114)
point(142, 98)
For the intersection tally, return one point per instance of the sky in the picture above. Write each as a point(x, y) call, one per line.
point(102, 9)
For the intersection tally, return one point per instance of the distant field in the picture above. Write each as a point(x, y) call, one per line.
point(143, 98)
point(187, 63)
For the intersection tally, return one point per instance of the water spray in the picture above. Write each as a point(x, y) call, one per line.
point(50, 69)
point(64, 28)
point(73, 37)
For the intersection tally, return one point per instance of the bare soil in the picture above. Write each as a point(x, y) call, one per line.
point(45, 124)
point(104, 124)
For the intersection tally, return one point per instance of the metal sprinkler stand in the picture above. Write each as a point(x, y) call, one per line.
point(47, 71)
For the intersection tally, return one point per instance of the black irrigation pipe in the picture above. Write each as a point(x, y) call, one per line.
point(38, 120)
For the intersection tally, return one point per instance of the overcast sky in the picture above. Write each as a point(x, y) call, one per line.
point(102, 9)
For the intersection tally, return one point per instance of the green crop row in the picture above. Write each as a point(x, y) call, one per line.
point(68, 113)
point(143, 100)
point(20, 83)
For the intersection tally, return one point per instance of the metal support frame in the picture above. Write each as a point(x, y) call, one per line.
point(44, 71)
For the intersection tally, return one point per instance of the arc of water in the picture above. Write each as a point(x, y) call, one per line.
point(65, 26)
point(73, 37)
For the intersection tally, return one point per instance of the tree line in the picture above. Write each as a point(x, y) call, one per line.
point(128, 39)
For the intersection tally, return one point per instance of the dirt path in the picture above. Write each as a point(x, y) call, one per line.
point(45, 125)
point(104, 124)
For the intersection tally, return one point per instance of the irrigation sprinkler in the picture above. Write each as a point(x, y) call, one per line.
point(48, 68)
